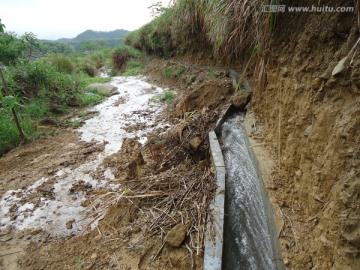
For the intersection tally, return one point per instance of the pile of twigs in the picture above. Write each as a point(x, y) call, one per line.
point(178, 190)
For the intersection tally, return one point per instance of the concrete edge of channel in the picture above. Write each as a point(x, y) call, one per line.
point(215, 227)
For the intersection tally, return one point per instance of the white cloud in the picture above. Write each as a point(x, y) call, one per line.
point(67, 18)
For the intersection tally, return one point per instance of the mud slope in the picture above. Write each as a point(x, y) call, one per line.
point(312, 122)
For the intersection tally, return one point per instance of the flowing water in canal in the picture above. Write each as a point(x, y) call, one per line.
point(247, 241)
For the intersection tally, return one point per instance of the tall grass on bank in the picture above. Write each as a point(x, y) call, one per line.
point(122, 55)
point(45, 88)
point(227, 28)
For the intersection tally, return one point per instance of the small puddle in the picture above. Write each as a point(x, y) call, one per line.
point(129, 114)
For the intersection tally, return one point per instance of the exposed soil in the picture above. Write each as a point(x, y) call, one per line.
point(312, 125)
point(165, 183)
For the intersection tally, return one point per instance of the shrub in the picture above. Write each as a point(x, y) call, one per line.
point(132, 68)
point(88, 67)
point(62, 63)
point(168, 97)
point(122, 55)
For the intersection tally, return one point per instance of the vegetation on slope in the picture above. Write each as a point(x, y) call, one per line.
point(39, 91)
point(226, 29)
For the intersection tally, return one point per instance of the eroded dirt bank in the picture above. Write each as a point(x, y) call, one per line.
point(312, 126)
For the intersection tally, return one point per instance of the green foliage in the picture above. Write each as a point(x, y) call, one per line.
point(8, 102)
point(90, 98)
point(62, 63)
point(153, 37)
point(122, 55)
point(168, 72)
point(100, 39)
point(9, 135)
point(132, 68)
point(168, 97)
point(227, 28)
point(11, 47)
point(2, 26)
point(176, 71)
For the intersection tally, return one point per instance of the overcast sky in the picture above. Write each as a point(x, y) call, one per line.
point(50, 19)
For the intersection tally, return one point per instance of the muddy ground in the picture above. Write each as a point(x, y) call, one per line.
point(165, 183)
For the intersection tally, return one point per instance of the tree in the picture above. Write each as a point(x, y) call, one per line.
point(31, 43)
point(89, 46)
point(2, 26)
point(11, 48)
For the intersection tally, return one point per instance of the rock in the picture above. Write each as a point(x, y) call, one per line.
point(85, 203)
point(176, 235)
point(285, 71)
point(103, 88)
point(241, 99)
point(308, 130)
point(69, 224)
point(316, 83)
point(94, 256)
point(298, 174)
point(343, 63)
point(195, 143)
point(286, 261)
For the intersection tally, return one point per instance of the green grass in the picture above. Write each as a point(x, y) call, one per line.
point(90, 98)
point(168, 72)
point(9, 135)
point(46, 88)
point(83, 80)
point(133, 68)
point(168, 97)
point(37, 108)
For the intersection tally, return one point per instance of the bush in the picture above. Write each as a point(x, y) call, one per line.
point(40, 79)
point(132, 68)
point(88, 67)
point(62, 63)
point(122, 55)
point(9, 135)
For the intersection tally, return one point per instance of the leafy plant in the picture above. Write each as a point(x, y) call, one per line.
point(122, 55)
point(168, 97)
point(168, 72)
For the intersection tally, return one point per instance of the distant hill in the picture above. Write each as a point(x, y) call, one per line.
point(109, 39)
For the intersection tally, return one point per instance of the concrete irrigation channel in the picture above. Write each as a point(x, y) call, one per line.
point(244, 233)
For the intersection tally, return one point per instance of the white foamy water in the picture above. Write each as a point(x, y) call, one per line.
point(31, 208)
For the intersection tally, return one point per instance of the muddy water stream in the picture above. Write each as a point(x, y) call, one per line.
point(61, 213)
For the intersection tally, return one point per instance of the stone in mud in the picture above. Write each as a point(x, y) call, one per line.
point(341, 66)
point(103, 88)
point(308, 130)
point(241, 99)
point(176, 235)
point(195, 143)
point(69, 224)
point(316, 83)
point(85, 203)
